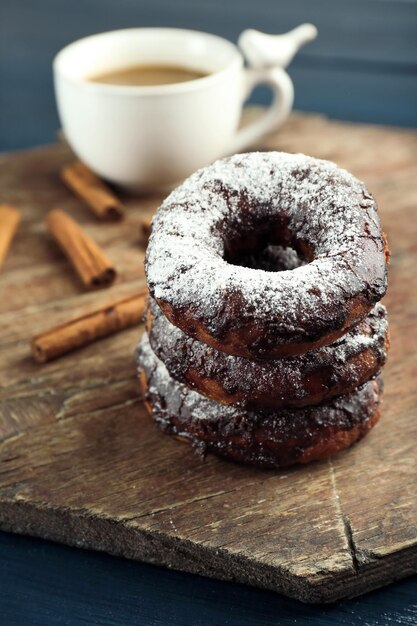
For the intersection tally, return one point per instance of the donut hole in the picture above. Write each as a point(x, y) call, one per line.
point(270, 258)
point(263, 244)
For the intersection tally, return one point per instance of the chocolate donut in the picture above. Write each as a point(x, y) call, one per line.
point(264, 438)
point(234, 209)
point(292, 381)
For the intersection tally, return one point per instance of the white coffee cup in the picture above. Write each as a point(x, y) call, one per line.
point(148, 137)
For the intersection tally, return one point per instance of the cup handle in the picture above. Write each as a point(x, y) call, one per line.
point(283, 98)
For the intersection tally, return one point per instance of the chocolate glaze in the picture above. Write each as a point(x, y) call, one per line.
point(265, 438)
point(292, 381)
point(238, 206)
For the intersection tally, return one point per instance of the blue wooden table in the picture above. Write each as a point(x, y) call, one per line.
point(45, 584)
point(362, 67)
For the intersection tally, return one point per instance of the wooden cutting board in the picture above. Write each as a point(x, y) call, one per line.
point(81, 462)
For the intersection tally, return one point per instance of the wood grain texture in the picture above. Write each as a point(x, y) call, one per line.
point(81, 463)
point(49, 584)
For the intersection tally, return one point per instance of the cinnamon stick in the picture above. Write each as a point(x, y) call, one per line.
point(90, 262)
point(9, 221)
point(107, 320)
point(97, 196)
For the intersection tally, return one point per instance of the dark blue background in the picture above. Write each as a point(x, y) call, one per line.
point(44, 584)
point(362, 67)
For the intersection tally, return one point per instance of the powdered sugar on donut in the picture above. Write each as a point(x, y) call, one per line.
point(170, 398)
point(325, 206)
point(347, 363)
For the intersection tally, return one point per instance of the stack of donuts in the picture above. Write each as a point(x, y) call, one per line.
point(264, 336)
